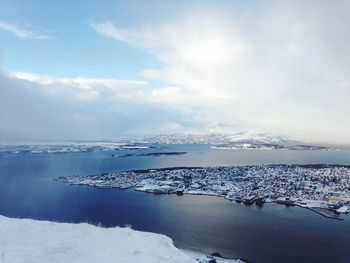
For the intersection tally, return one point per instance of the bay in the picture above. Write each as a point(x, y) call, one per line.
point(272, 233)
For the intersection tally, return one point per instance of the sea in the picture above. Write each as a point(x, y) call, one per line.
point(271, 233)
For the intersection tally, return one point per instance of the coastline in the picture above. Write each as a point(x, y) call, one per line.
point(202, 258)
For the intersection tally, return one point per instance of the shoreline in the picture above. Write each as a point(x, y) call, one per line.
point(203, 258)
point(318, 210)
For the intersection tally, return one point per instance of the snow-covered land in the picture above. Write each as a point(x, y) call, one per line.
point(30, 241)
point(69, 147)
point(271, 146)
point(325, 187)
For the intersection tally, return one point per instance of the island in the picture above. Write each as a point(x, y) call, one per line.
point(151, 154)
point(323, 188)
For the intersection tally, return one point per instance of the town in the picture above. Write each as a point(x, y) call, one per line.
point(323, 188)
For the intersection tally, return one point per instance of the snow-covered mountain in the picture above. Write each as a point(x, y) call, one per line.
point(241, 140)
point(217, 138)
point(258, 138)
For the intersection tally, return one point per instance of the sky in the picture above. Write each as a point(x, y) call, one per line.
point(101, 70)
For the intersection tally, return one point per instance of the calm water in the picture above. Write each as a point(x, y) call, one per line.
point(272, 233)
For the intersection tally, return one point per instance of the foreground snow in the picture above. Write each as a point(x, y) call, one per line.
point(25, 240)
point(31, 241)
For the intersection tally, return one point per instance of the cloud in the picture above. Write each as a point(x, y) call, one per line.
point(109, 30)
point(22, 32)
point(280, 67)
point(44, 107)
point(80, 88)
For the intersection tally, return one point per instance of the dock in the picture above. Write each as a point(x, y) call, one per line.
point(326, 213)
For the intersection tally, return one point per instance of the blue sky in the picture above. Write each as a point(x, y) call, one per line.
point(73, 48)
point(143, 67)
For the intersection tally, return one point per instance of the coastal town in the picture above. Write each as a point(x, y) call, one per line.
point(322, 188)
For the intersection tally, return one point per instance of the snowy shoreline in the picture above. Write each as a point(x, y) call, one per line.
point(32, 241)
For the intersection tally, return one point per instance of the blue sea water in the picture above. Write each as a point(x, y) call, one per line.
point(272, 233)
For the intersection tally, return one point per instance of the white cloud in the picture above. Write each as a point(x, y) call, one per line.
point(39, 107)
point(22, 32)
point(109, 30)
point(283, 67)
point(280, 67)
point(81, 88)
